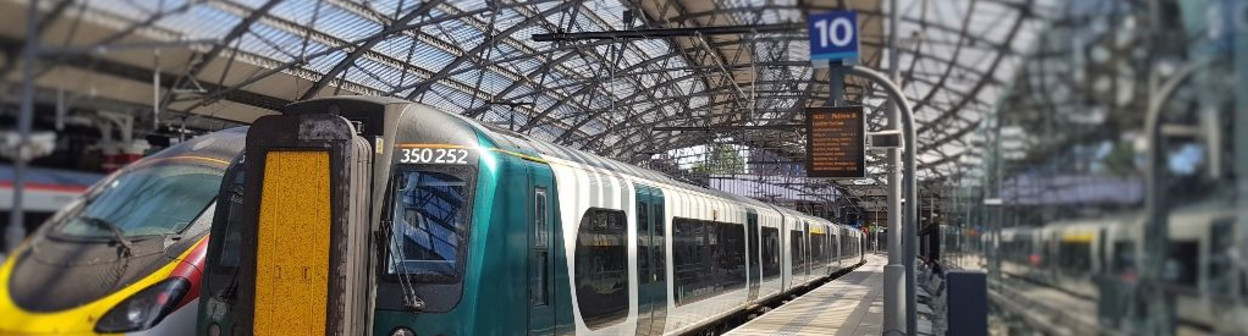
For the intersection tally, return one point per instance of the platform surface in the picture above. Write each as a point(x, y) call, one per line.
point(848, 306)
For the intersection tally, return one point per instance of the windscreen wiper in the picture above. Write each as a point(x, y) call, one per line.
point(118, 236)
point(411, 300)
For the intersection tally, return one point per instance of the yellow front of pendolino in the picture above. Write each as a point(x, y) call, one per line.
point(15, 321)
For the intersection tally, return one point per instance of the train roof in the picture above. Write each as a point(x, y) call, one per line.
point(521, 142)
point(221, 146)
point(526, 145)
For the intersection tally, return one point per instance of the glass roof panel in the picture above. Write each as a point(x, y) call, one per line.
point(953, 59)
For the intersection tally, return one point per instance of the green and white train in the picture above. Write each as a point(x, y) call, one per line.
point(481, 231)
point(1083, 257)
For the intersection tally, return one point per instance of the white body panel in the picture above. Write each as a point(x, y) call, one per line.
point(582, 187)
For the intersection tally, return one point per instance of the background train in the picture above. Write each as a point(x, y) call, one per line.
point(125, 257)
point(480, 231)
point(47, 190)
point(1080, 257)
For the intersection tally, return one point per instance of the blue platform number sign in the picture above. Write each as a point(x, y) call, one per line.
point(833, 38)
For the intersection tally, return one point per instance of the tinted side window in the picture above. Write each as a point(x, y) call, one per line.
point(538, 294)
point(771, 252)
point(1076, 257)
point(657, 243)
point(752, 250)
point(798, 252)
point(846, 244)
point(224, 255)
point(1181, 267)
point(1221, 255)
point(602, 267)
point(1124, 257)
point(693, 258)
point(817, 241)
point(643, 242)
point(732, 252)
point(709, 258)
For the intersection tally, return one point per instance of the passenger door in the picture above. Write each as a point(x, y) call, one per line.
point(838, 253)
point(807, 255)
point(754, 255)
point(651, 261)
point(541, 260)
point(1102, 254)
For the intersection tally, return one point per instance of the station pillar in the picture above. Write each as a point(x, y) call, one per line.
point(900, 315)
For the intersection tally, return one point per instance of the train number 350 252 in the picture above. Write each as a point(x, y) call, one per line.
point(435, 155)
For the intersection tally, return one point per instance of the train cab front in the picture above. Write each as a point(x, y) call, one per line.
point(425, 190)
point(126, 257)
point(422, 189)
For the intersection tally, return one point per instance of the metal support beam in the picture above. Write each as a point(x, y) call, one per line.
point(489, 42)
point(659, 33)
point(719, 128)
point(16, 232)
point(385, 33)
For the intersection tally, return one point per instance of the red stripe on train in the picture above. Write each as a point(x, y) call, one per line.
point(45, 187)
point(190, 268)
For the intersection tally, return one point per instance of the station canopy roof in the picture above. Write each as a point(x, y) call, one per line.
point(631, 99)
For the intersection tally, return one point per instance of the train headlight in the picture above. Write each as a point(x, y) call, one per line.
point(144, 309)
point(402, 331)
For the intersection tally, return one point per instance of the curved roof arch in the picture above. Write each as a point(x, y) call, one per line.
point(632, 99)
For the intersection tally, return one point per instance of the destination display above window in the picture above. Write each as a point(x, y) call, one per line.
point(835, 142)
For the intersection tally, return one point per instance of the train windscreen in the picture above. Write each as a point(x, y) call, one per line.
point(156, 199)
point(429, 225)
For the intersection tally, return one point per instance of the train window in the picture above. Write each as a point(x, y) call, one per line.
point(1046, 254)
point(798, 253)
point(658, 242)
point(428, 226)
point(1102, 255)
point(1181, 268)
point(1221, 254)
point(853, 246)
point(844, 248)
point(158, 199)
point(643, 242)
point(602, 267)
point(541, 250)
point(732, 255)
point(850, 244)
point(540, 233)
point(756, 262)
point(771, 252)
point(1017, 251)
point(711, 253)
point(224, 252)
point(832, 243)
point(817, 241)
point(830, 253)
point(1075, 258)
point(1124, 257)
point(689, 242)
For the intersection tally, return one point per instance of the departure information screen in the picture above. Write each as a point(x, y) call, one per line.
point(835, 142)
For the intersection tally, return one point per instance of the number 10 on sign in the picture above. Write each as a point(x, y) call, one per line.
point(838, 32)
point(834, 37)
